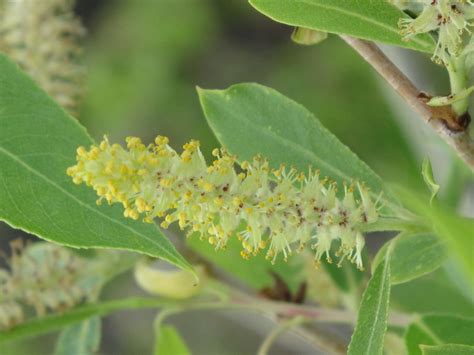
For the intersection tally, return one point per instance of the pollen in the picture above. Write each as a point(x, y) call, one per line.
point(208, 187)
point(161, 141)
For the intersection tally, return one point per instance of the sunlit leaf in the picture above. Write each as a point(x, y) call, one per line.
point(38, 141)
point(368, 337)
point(250, 119)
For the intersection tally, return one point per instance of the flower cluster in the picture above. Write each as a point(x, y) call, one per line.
point(46, 277)
point(449, 18)
point(42, 36)
point(268, 209)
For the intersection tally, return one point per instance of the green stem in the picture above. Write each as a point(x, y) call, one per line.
point(162, 315)
point(459, 82)
point(238, 301)
point(275, 333)
point(55, 322)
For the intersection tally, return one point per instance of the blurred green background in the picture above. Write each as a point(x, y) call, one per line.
point(144, 59)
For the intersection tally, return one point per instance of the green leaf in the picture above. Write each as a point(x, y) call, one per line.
point(371, 20)
point(80, 339)
point(427, 173)
point(170, 342)
point(331, 82)
point(413, 255)
point(447, 349)
point(368, 337)
point(438, 330)
point(54, 322)
point(444, 296)
point(456, 231)
point(250, 119)
point(255, 272)
point(37, 143)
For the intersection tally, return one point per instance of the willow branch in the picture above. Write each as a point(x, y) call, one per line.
point(451, 128)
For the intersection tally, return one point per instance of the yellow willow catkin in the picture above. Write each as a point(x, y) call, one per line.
point(280, 207)
point(43, 37)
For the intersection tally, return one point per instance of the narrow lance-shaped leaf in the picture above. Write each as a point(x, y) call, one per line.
point(371, 20)
point(80, 339)
point(413, 255)
point(368, 337)
point(250, 119)
point(38, 141)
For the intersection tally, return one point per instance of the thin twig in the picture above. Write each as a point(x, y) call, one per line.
point(318, 341)
point(443, 120)
point(243, 300)
point(276, 332)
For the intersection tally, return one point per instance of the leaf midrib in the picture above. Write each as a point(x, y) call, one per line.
point(81, 203)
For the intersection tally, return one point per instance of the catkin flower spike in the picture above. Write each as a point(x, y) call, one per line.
point(279, 208)
point(450, 18)
point(43, 37)
point(48, 278)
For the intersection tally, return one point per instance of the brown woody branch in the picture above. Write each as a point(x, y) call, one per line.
point(451, 128)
